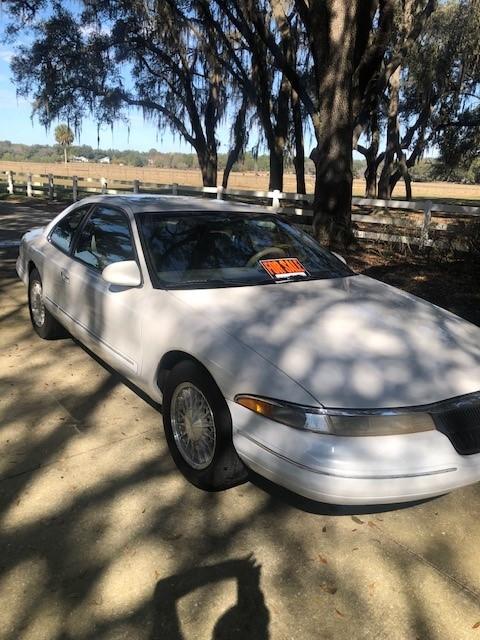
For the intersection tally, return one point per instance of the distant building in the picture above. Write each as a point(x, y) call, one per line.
point(79, 159)
point(105, 160)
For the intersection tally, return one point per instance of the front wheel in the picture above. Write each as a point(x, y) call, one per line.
point(45, 325)
point(198, 429)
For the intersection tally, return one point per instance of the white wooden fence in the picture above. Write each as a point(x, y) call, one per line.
point(420, 223)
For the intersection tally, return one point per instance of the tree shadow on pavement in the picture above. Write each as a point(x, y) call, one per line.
point(101, 538)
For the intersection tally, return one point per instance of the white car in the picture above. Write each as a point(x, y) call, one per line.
point(266, 351)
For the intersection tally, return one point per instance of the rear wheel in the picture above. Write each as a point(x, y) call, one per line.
point(45, 325)
point(198, 428)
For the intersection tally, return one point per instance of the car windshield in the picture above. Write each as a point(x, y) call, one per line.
point(200, 249)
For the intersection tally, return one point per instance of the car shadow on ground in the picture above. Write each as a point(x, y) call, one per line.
point(322, 508)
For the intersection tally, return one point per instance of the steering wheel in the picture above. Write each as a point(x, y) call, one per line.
point(268, 251)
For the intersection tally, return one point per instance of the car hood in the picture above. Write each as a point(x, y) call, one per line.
point(350, 342)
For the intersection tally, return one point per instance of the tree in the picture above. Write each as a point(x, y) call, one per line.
point(337, 62)
point(431, 99)
point(64, 137)
point(337, 66)
point(73, 67)
point(250, 65)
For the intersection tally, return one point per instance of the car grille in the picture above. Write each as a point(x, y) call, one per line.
point(462, 427)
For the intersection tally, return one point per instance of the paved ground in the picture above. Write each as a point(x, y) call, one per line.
point(101, 538)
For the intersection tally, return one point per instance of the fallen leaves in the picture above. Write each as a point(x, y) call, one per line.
point(329, 588)
point(357, 520)
point(322, 559)
point(476, 625)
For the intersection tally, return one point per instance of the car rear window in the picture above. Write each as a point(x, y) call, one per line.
point(199, 249)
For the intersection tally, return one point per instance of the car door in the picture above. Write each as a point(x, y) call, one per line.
point(107, 317)
point(57, 260)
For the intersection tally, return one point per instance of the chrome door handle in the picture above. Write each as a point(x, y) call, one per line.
point(64, 276)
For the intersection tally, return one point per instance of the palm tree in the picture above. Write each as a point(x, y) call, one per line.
point(64, 136)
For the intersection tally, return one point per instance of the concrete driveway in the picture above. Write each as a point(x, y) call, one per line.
point(101, 538)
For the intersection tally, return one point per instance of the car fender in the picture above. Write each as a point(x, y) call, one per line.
point(169, 325)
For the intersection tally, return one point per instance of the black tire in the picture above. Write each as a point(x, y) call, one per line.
point(226, 469)
point(49, 328)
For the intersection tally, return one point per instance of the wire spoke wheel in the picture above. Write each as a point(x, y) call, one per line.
point(36, 303)
point(193, 425)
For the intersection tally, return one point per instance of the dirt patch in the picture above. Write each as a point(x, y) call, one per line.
point(452, 284)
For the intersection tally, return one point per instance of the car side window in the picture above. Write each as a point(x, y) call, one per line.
point(62, 234)
point(105, 239)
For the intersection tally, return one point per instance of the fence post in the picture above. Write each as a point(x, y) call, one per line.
point(220, 191)
point(427, 218)
point(29, 186)
point(11, 184)
point(175, 189)
point(51, 192)
point(74, 188)
point(103, 183)
point(276, 199)
point(136, 186)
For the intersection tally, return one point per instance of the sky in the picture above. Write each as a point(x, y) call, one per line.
point(16, 124)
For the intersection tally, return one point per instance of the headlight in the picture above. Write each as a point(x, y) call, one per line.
point(337, 421)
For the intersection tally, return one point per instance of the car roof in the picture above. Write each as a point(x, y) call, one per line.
point(150, 203)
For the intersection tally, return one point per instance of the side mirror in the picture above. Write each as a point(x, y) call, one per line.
point(123, 274)
point(341, 258)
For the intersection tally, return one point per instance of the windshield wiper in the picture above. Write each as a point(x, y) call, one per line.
point(205, 284)
point(294, 277)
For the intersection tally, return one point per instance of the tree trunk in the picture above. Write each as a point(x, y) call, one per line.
point(240, 137)
point(299, 159)
point(65, 154)
point(333, 126)
point(384, 186)
point(280, 132)
point(371, 159)
point(402, 172)
point(371, 178)
point(208, 163)
point(276, 169)
point(333, 187)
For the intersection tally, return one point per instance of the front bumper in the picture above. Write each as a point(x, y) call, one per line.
point(346, 470)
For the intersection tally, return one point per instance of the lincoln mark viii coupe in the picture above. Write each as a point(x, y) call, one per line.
point(266, 351)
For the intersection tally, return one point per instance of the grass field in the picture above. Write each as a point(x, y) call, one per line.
point(441, 191)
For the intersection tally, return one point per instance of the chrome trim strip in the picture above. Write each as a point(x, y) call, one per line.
point(131, 363)
point(458, 402)
point(340, 475)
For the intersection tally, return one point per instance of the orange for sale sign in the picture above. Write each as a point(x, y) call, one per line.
point(284, 268)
